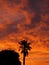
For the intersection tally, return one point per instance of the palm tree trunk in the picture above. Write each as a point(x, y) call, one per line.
point(23, 59)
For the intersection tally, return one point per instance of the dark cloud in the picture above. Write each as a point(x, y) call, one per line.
point(10, 28)
point(12, 2)
point(35, 5)
point(47, 23)
point(29, 26)
point(36, 19)
point(9, 22)
point(45, 28)
point(2, 34)
point(34, 22)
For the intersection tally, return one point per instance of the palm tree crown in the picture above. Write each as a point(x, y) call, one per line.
point(25, 46)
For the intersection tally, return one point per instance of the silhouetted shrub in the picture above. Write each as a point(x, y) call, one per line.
point(9, 57)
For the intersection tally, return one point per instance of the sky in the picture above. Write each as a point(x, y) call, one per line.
point(26, 19)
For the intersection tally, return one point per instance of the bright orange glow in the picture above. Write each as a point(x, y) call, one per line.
point(26, 19)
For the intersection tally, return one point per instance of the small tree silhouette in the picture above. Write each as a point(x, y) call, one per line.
point(24, 47)
point(9, 57)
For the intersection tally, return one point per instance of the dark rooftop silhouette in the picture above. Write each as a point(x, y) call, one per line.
point(9, 57)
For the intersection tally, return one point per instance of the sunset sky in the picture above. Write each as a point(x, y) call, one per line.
point(26, 19)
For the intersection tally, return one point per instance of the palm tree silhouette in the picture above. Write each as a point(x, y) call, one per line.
point(24, 47)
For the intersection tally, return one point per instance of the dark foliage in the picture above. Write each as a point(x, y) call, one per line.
point(9, 57)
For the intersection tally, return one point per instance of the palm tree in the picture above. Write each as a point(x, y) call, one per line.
point(24, 47)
